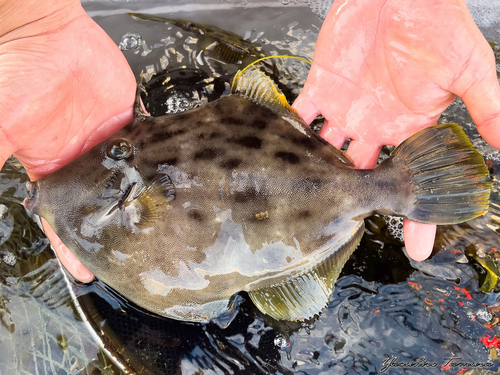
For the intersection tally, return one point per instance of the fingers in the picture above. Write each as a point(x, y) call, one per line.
point(68, 260)
point(490, 131)
point(305, 106)
point(479, 89)
point(331, 134)
point(363, 155)
point(483, 102)
point(419, 239)
point(6, 148)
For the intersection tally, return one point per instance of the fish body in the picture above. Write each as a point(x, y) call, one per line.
point(179, 213)
point(212, 41)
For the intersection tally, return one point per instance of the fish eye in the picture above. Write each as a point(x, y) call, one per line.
point(120, 149)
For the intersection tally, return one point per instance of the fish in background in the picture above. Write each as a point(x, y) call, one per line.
point(222, 45)
point(210, 58)
point(179, 213)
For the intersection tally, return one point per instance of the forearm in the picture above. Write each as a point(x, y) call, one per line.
point(46, 15)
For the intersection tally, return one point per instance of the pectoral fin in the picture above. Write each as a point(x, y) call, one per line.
point(153, 199)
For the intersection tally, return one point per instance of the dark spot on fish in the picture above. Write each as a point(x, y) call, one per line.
point(196, 215)
point(304, 141)
point(242, 196)
point(304, 214)
point(249, 142)
point(250, 195)
point(212, 135)
point(160, 137)
point(171, 161)
point(215, 135)
point(206, 154)
point(181, 73)
point(259, 124)
point(288, 157)
point(288, 259)
point(230, 163)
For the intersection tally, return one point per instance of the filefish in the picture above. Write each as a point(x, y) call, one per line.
point(218, 44)
point(179, 213)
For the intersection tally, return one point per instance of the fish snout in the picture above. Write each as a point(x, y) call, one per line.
point(32, 199)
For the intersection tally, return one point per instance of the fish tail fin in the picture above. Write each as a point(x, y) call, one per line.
point(448, 176)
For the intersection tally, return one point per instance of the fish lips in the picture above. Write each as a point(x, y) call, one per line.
point(32, 200)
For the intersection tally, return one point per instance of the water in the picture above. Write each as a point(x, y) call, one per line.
point(384, 306)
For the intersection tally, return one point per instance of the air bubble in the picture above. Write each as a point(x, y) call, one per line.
point(130, 42)
point(9, 258)
point(179, 102)
point(320, 7)
point(183, 104)
point(395, 226)
point(3, 210)
point(282, 342)
point(484, 315)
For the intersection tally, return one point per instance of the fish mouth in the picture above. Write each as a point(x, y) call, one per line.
point(32, 199)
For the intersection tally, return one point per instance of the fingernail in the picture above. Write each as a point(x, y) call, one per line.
point(84, 275)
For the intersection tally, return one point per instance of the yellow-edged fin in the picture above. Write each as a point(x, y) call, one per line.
point(154, 198)
point(448, 176)
point(492, 274)
point(303, 296)
point(257, 86)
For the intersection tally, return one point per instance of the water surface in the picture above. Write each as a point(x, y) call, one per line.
point(384, 306)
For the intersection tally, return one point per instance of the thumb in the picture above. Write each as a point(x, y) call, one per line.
point(68, 260)
point(419, 239)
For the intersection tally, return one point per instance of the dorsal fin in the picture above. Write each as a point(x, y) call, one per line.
point(257, 86)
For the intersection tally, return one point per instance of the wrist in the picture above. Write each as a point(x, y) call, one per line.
point(31, 17)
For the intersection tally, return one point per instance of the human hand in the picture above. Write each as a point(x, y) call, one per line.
point(385, 69)
point(65, 86)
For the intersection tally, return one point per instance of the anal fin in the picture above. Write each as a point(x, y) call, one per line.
point(306, 294)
